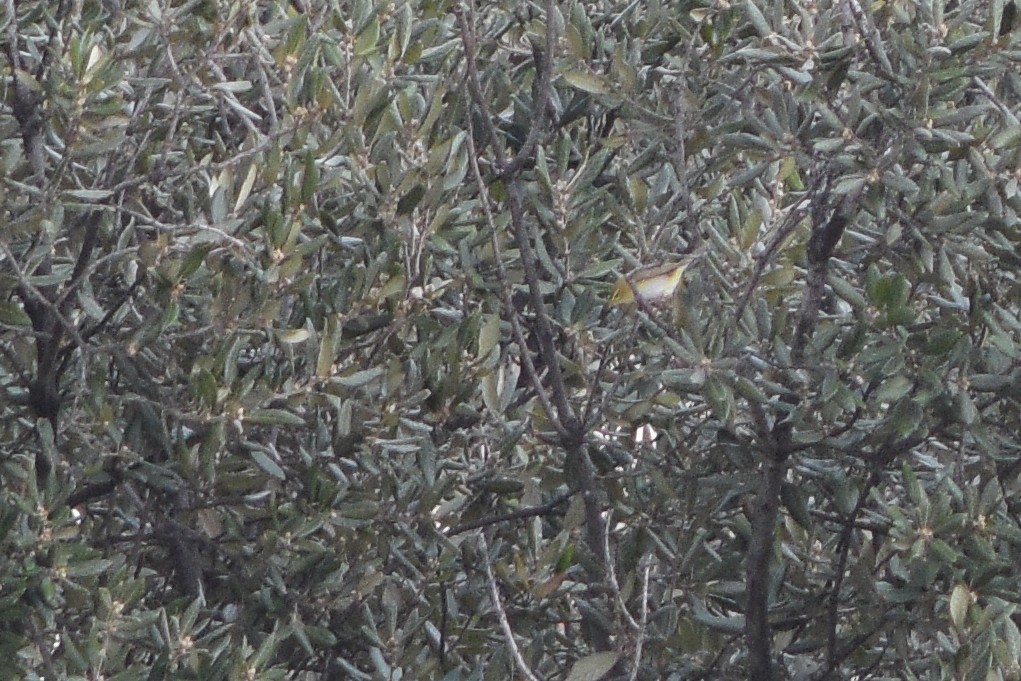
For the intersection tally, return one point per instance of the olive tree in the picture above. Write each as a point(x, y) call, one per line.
point(328, 348)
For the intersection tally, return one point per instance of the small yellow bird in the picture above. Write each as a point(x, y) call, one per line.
point(651, 284)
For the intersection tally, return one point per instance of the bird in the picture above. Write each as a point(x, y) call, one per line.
point(651, 284)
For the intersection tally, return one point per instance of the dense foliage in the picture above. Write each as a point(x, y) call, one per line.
point(310, 370)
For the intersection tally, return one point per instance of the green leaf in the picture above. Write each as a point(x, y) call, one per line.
point(410, 200)
point(273, 417)
point(263, 461)
point(309, 179)
point(907, 417)
point(719, 397)
point(592, 667)
point(960, 600)
point(359, 378)
point(847, 292)
point(893, 389)
point(324, 360)
point(294, 336)
point(489, 339)
point(747, 389)
point(233, 86)
point(941, 342)
point(205, 387)
point(733, 624)
point(1007, 138)
point(967, 410)
point(367, 39)
point(795, 501)
point(566, 559)
point(845, 495)
point(89, 568)
point(887, 291)
point(195, 258)
point(132, 674)
point(913, 486)
point(600, 269)
point(762, 27)
point(587, 82)
point(12, 314)
point(89, 194)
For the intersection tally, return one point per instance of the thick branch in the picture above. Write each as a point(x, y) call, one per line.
point(826, 234)
point(758, 632)
point(824, 239)
point(26, 104)
point(570, 425)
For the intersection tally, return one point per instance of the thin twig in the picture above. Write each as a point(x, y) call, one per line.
point(708, 671)
point(611, 574)
point(826, 234)
point(591, 413)
point(644, 621)
point(508, 633)
point(843, 550)
point(852, 645)
point(991, 96)
point(870, 36)
point(522, 235)
point(828, 225)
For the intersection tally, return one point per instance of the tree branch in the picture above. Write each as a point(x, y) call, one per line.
point(25, 104)
point(611, 576)
point(870, 36)
point(541, 105)
point(826, 234)
point(758, 631)
point(825, 237)
point(787, 227)
point(646, 565)
point(570, 429)
point(508, 633)
point(530, 512)
point(508, 302)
